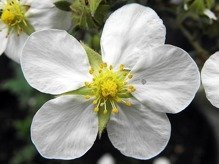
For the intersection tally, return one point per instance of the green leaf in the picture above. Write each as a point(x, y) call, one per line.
point(80, 91)
point(103, 118)
point(198, 6)
point(94, 5)
point(101, 13)
point(63, 5)
point(209, 3)
point(25, 154)
point(27, 27)
point(94, 58)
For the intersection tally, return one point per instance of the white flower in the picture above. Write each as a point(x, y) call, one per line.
point(210, 79)
point(19, 18)
point(210, 14)
point(162, 160)
point(138, 80)
point(106, 159)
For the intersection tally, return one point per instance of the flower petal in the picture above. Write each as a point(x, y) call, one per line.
point(3, 38)
point(210, 14)
point(139, 132)
point(54, 62)
point(166, 80)
point(128, 31)
point(64, 128)
point(15, 45)
point(44, 15)
point(210, 79)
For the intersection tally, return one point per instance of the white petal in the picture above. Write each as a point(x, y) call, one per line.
point(44, 15)
point(3, 38)
point(210, 79)
point(64, 128)
point(210, 14)
point(139, 132)
point(15, 45)
point(166, 80)
point(54, 62)
point(127, 31)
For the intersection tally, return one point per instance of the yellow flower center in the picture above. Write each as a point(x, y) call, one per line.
point(109, 87)
point(13, 15)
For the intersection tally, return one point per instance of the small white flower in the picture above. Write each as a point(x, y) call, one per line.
point(210, 14)
point(138, 80)
point(106, 159)
point(19, 18)
point(162, 160)
point(210, 79)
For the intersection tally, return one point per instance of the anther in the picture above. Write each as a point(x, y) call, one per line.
point(87, 97)
point(128, 103)
point(130, 76)
point(91, 71)
point(87, 84)
point(121, 67)
point(115, 110)
point(96, 109)
point(105, 111)
point(104, 64)
point(111, 67)
point(95, 101)
point(102, 104)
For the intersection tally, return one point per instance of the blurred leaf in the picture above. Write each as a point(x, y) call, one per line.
point(101, 13)
point(94, 5)
point(28, 97)
point(25, 155)
point(18, 85)
point(63, 5)
point(115, 4)
point(94, 42)
point(23, 127)
point(89, 15)
point(82, 16)
point(209, 3)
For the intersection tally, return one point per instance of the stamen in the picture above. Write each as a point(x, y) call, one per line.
point(127, 103)
point(96, 109)
point(105, 110)
point(91, 71)
point(121, 67)
point(13, 15)
point(111, 67)
point(87, 97)
point(130, 76)
point(109, 87)
point(115, 110)
point(87, 84)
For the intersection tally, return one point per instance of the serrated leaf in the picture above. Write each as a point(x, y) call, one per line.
point(63, 5)
point(94, 58)
point(94, 5)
